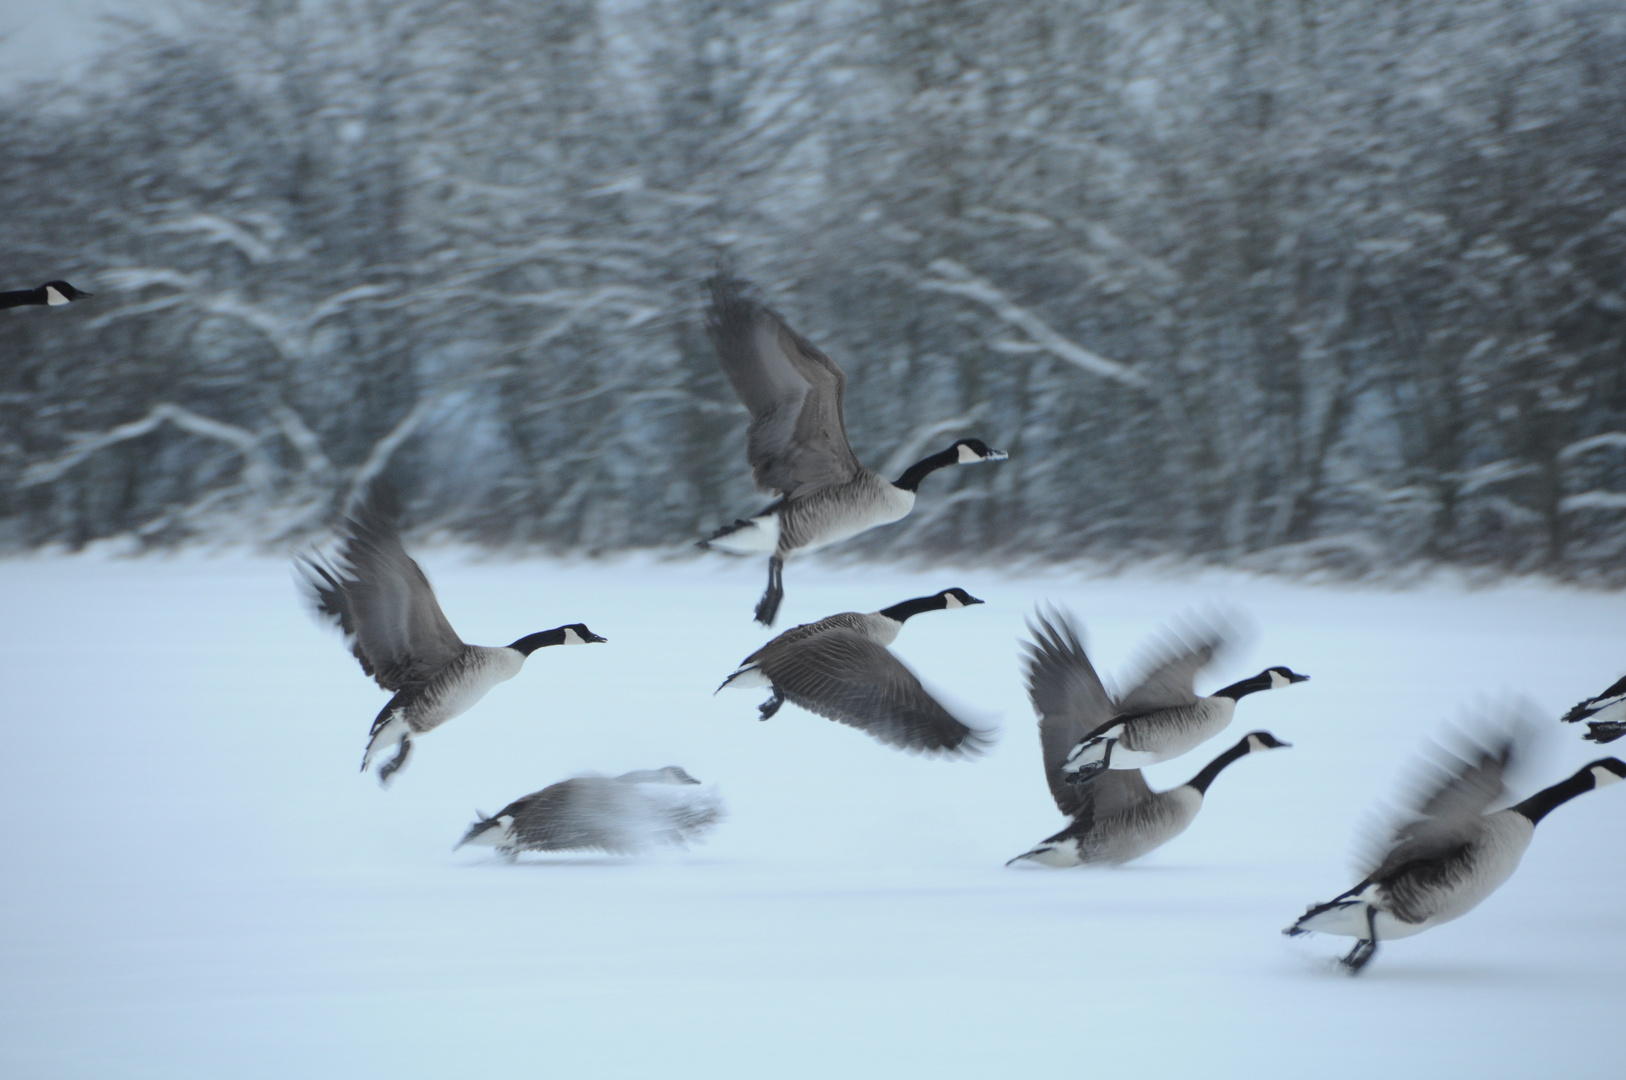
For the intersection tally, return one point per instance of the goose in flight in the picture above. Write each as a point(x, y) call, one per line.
point(840, 668)
point(52, 294)
point(1122, 819)
point(1605, 714)
point(618, 814)
point(1161, 717)
point(797, 443)
point(1445, 856)
point(1116, 817)
point(378, 596)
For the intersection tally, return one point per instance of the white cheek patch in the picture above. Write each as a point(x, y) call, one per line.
point(1255, 744)
point(1278, 680)
point(950, 601)
point(1602, 777)
point(54, 297)
point(968, 456)
point(573, 638)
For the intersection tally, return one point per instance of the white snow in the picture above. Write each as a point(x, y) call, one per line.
point(198, 883)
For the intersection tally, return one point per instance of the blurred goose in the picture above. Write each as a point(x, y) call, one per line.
point(1162, 717)
point(1122, 819)
point(52, 293)
point(1605, 714)
point(378, 596)
point(1447, 855)
point(840, 668)
point(619, 814)
point(797, 443)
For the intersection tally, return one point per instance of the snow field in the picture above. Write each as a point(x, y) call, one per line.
point(198, 882)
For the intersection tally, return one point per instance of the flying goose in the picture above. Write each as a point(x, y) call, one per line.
point(797, 443)
point(52, 293)
point(1161, 717)
point(1605, 714)
point(618, 814)
point(840, 668)
point(377, 595)
point(1447, 855)
point(1122, 819)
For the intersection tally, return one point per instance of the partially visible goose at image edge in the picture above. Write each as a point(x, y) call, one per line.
point(797, 443)
point(1605, 714)
point(1448, 854)
point(379, 597)
point(51, 294)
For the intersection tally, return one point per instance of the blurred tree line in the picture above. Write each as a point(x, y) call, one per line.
point(1291, 284)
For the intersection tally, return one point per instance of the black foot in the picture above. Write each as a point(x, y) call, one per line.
point(1086, 773)
point(768, 606)
point(395, 764)
point(1605, 730)
point(1359, 955)
point(771, 706)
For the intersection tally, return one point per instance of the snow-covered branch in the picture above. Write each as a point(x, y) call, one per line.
point(257, 469)
point(956, 280)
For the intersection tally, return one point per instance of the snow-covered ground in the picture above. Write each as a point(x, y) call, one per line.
point(198, 883)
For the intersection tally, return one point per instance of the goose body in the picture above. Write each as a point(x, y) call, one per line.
point(618, 814)
point(1161, 717)
point(1448, 857)
point(380, 599)
point(51, 294)
point(1605, 714)
point(1122, 819)
point(797, 443)
point(840, 667)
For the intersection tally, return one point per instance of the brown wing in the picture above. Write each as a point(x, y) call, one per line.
point(378, 596)
point(848, 678)
point(1171, 669)
point(1068, 696)
point(797, 442)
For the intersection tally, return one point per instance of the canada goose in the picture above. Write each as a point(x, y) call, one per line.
point(1605, 714)
point(1122, 819)
point(1447, 855)
point(52, 293)
point(1161, 717)
point(377, 595)
point(840, 668)
point(797, 443)
point(619, 814)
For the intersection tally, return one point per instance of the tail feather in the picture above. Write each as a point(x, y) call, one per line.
point(478, 829)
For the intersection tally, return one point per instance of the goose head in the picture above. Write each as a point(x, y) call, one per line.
point(1264, 740)
point(1272, 678)
point(1606, 771)
point(955, 597)
point(572, 634)
point(973, 451)
point(60, 292)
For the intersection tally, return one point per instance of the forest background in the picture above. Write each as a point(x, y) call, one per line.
point(1283, 284)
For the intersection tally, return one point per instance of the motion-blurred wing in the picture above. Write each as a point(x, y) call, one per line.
point(1449, 794)
point(797, 442)
point(1068, 696)
point(378, 596)
point(1109, 794)
point(1171, 669)
point(846, 677)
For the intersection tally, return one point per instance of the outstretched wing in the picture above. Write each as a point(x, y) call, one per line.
point(378, 596)
point(1107, 795)
point(1068, 696)
point(1448, 796)
point(846, 677)
point(797, 442)
point(1171, 668)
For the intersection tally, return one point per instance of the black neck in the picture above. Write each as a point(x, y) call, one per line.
point(901, 612)
point(19, 297)
point(914, 474)
point(532, 642)
point(1239, 690)
point(1212, 769)
point(1542, 802)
